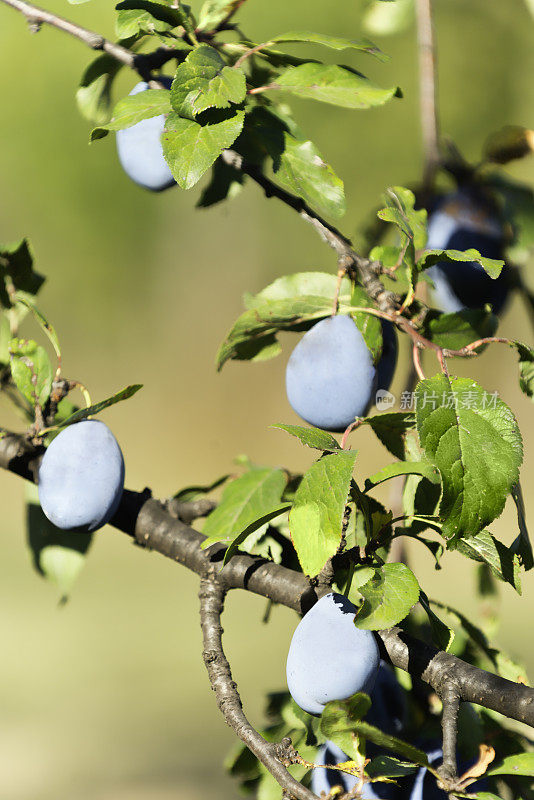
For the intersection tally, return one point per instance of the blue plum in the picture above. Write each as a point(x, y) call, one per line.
point(329, 658)
point(81, 477)
point(460, 222)
point(140, 151)
point(330, 377)
point(388, 702)
point(388, 360)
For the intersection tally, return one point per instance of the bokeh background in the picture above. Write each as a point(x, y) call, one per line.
point(106, 698)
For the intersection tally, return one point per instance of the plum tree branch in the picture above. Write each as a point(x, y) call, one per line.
point(39, 16)
point(212, 596)
point(152, 526)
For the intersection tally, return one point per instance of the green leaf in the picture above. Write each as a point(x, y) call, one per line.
point(333, 84)
point(145, 16)
point(243, 502)
point(519, 764)
point(252, 528)
point(400, 210)
point(57, 555)
point(49, 329)
point(204, 81)
point(392, 430)
point(96, 408)
point(389, 767)
point(423, 468)
point(474, 440)
point(5, 338)
point(302, 284)
point(526, 368)
point(16, 272)
point(522, 545)
point(455, 331)
point(31, 370)
point(369, 326)
point(190, 148)
point(333, 42)
point(93, 96)
point(316, 519)
point(133, 109)
point(213, 12)
point(343, 718)
point(302, 170)
point(492, 266)
point(225, 184)
point(311, 437)
point(442, 635)
point(269, 317)
point(486, 549)
point(388, 597)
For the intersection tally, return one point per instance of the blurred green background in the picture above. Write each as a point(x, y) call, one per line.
point(106, 698)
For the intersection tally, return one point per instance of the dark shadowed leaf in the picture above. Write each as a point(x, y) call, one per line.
point(485, 548)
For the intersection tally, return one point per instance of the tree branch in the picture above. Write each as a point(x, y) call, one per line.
point(428, 91)
point(150, 524)
point(211, 607)
point(39, 16)
point(449, 725)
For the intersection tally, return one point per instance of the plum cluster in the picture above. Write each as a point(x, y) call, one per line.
point(81, 477)
point(330, 659)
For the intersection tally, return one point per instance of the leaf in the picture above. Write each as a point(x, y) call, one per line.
point(269, 317)
point(93, 96)
point(302, 284)
point(311, 437)
point(389, 767)
point(508, 143)
point(369, 326)
point(57, 555)
point(302, 170)
point(522, 545)
point(49, 329)
point(333, 84)
point(388, 597)
point(31, 370)
point(474, 440)
point(316, 519)
point(16, 272)
point(193, 492)
point(333, 42)
point(204, 81)
point(243, 502)
point(492, 266)
point(96, 408)
point(136, 17)
point(385, 19)
point(213, 12)
point(343, 718)
point(526, 368)
point(254, 526)
point(400, 210)
point(225, 184)
point(392, 430)
point(190, 148)
point(455, 331)
point(133, 109)
point(519, 764)
point(423, 468)
point(486, 549)
point(442, 635)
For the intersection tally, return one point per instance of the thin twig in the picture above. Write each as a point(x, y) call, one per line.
point(211, 607)
point(428, 91)
point(39, 16)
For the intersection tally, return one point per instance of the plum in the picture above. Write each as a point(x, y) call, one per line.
point(329, 658)
point(140, 150)
point(388, 360)
point(461, 221)
point(388, 703)
point(81, 477)
point(330, 375)
point(324, 780)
